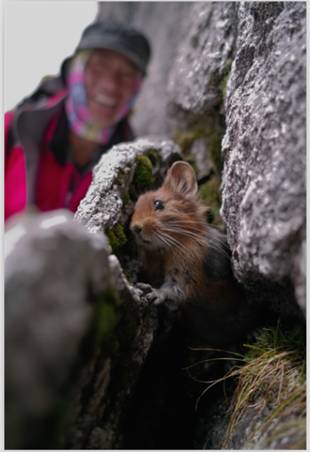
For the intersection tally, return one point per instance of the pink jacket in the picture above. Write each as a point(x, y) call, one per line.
point(37, 167)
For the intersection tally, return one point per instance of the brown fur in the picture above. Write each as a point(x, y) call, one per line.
point(171, 221)
point(183, 210)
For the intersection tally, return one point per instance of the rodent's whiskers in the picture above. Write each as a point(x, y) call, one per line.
point(186, 225)
point(184, 251)
point(173, 242)
point(212, 242)
point(163, 239)
point(185, 232)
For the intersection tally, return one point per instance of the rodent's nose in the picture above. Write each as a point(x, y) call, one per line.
point(136, 228)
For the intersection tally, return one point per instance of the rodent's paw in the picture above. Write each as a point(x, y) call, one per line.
point(156, 297)
point(136, 293)
point(144, 288)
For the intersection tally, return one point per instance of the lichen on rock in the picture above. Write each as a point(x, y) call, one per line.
point(143, 176)
point(264, 145)
point(117, 237)
point(122, 166)
point(203, 57)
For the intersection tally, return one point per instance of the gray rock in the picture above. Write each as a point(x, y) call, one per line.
point(103, 204)
point(61, 288)
point(109, 376)
point(203, 162)
point(52, 268)
point(197, 81)
point(253, 57)
point(264, 145)
point(203, 58)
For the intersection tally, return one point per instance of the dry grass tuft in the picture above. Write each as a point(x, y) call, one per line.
point(273, 381)
point(270, 392)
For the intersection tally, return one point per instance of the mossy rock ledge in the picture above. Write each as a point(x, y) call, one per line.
point(121, 175)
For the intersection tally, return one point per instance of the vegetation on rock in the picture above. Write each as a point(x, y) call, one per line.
point(117, 236)
point(143, 177)
point(269, 401)
point(106, 314)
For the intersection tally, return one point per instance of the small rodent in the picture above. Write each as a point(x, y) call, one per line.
point(171, 222)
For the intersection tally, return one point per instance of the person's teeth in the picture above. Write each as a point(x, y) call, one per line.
point(105, 100)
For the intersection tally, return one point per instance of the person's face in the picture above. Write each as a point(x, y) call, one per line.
point(110, 82)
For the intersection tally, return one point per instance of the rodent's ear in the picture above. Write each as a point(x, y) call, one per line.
point(181, 178)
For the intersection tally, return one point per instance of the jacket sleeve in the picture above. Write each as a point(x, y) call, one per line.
point(15, 193)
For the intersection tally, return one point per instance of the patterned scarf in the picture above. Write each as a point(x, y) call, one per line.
point(76, 107)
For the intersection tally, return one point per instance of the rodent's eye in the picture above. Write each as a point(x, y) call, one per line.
point(158, 204)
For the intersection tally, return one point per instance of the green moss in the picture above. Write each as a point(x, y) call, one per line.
point(214, 143)
point(185, 138)
point(211, 132)
point(106, 320)
point(126, 198)
point(154, 156)
point(210, 193)
point(223, 86)
point(120, 178)
point(212, 135)
point(110, 296)
point(107, 314)
point(143, 177)
point(117, 237)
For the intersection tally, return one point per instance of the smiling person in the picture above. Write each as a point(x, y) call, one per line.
point(54, 137)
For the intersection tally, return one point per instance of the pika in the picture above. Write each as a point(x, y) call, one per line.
point(198, 277)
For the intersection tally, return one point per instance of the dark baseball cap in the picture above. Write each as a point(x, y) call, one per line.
point(118, 37)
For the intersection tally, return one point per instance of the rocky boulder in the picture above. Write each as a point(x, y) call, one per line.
point(264, 202)
point(122, 174)
point(72, 321)
point(241, 69)
point(48, 310)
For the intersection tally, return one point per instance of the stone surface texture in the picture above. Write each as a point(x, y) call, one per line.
point(203, 58)
point(64, 370)
point(109, 376)
point(103, 204)
point(264, 145)
point(47, 313)
point(248, 61)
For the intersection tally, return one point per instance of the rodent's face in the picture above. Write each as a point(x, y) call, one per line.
point(163, 220)
point(171, 217)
